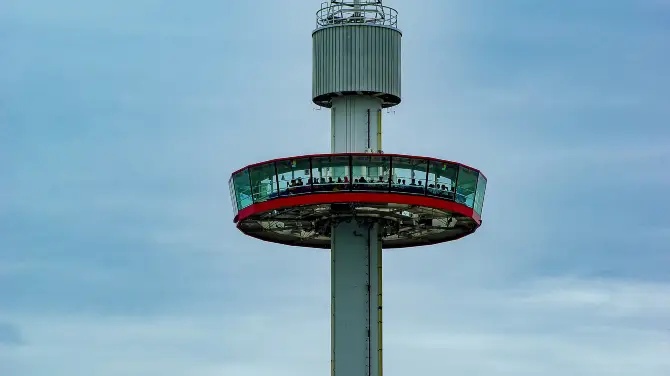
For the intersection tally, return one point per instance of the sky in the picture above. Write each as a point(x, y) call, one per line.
point(121, 122)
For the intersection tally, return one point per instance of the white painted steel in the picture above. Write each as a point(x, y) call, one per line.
point(356, 262)
point(356, 58)
point(354, 124)
point(355, 333)
point(356, 127)
point(375, 302)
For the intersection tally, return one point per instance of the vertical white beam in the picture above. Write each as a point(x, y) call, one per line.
point(351, 130)
point(350, 299)
point(375, 302)
point(356, 254)
point(356, 300)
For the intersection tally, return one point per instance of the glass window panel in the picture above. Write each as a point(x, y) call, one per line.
point(231, 189)
point(442, 179)
point(331, 173)
point(370, 173)
point(479, 198)
point(242, 189)
point(263, 182)
point(294, 176)
point(466, 186)
point(409, 174)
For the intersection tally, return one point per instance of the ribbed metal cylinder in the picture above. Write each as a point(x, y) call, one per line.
point(354, 59)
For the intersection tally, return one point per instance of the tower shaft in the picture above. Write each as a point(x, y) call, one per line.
point(356, 263)
point(356, 73)
point(356, 124)
point(356, 286)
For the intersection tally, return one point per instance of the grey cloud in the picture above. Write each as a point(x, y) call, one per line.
point(10, 335)
point(428, 329)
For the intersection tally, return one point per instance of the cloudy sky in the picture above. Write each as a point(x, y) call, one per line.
point(121, 121)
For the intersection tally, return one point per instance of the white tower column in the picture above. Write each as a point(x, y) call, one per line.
point(356, 299)
point(355, 124)
point(355, 254)
point(356, 73)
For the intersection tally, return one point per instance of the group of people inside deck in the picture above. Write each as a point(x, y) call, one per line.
point(328, 184)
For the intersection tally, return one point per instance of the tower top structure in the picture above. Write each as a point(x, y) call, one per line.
point(367, 12)
point(356, 53)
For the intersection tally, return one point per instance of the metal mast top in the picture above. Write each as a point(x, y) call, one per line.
point(358, 11)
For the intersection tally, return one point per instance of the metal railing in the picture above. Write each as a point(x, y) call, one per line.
point(345, 13)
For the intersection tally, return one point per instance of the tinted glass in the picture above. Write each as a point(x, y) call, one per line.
point(331, 173)
point(231, 189)
point(242, 189)
point(409, 175)
point(263, 182)
point(479, 198)
point(442, 179)
point(294, 176)
point(466, 186)
point(370, 173)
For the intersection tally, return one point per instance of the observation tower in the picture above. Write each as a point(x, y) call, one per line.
point(357, 199)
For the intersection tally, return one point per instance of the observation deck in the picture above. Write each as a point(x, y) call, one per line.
point(416, 200)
